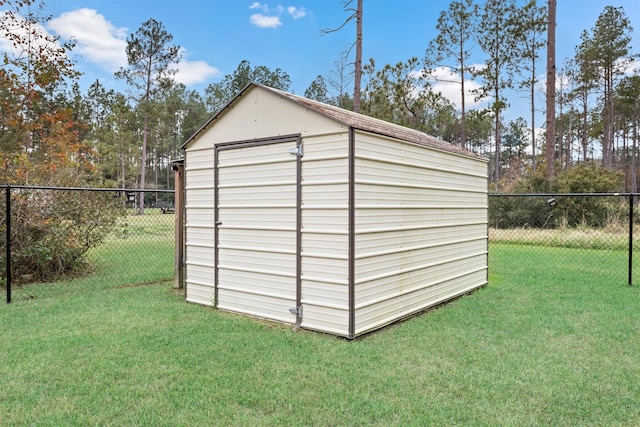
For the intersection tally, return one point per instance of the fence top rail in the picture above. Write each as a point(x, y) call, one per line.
point(563, 194)
point(128, 190)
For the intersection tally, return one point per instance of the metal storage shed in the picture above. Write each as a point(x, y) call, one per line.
point(304, 213)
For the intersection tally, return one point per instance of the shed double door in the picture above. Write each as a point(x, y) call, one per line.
point(258, 228)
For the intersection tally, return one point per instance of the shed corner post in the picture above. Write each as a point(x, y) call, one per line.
point(352, 233)
point(179, 209)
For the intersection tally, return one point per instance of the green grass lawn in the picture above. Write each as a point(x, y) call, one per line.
point(547, 342)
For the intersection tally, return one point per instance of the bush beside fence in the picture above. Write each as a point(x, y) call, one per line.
point(69, 239)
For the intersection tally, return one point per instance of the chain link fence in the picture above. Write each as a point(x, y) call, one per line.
point(67, 240)
point(594, 232)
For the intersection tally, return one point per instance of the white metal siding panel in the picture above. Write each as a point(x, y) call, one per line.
point(200, 158)
point(408, 256)
point(377, 315)
point(380, 218)
point(325, 240)
point(271, 286)
point(326, 319)
point(376, 288)
point(388, 150)
point(199, 189)
point(200, 294)
point(328, 243)
point(199, 197)
point(421, 228)
point(409, 173)
point(268, 217)
point(372, 243)
point(331, 221)
point(260, 305)
point(257, 236)
point(381, 195)
point(200, 236)
point(200, 216)
point(200, 274)
point(325, 268)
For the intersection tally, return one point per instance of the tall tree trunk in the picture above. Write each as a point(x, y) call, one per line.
point(567, 159)
point(121, 165)
point(551, 91)
point(143, 165)
point(584, 132)
point(496, 172)
point(155, 173)
point(607, 140)
point(463, 112)
point(533, 118)
point(358, 66)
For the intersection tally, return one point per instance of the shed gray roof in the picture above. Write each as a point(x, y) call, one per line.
point(355, 120)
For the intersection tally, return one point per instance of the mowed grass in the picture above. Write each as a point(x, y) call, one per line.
point(547, 342)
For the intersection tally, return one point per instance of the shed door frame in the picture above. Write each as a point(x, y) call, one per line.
point(298, 226)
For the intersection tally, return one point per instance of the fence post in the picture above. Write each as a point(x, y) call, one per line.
point(631, 197)
point(8, 240)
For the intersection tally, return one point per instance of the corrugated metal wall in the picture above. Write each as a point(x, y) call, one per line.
point(421, 228)
point(199, 225)
point(325, 233)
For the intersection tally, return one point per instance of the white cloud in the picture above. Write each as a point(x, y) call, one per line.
point(263, 21)
point(193, 72)
point(258, 5)
point(297, 13)
point(446, 82)
point(270, 16)
point(101, 42)
point(97, 39)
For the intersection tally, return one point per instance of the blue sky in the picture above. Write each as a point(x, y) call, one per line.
point(216, 35)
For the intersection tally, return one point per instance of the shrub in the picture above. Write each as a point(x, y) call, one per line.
point(52, 230)
point(590, 211)
point(572, 211)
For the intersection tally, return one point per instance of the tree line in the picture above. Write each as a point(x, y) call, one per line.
point(128, 140)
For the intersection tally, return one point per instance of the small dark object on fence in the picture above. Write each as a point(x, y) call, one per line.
point(167, 210)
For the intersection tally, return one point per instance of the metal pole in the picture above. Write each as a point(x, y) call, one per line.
point(8, 240)
point(631, 239)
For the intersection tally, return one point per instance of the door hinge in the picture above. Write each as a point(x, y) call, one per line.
point(296, 151)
